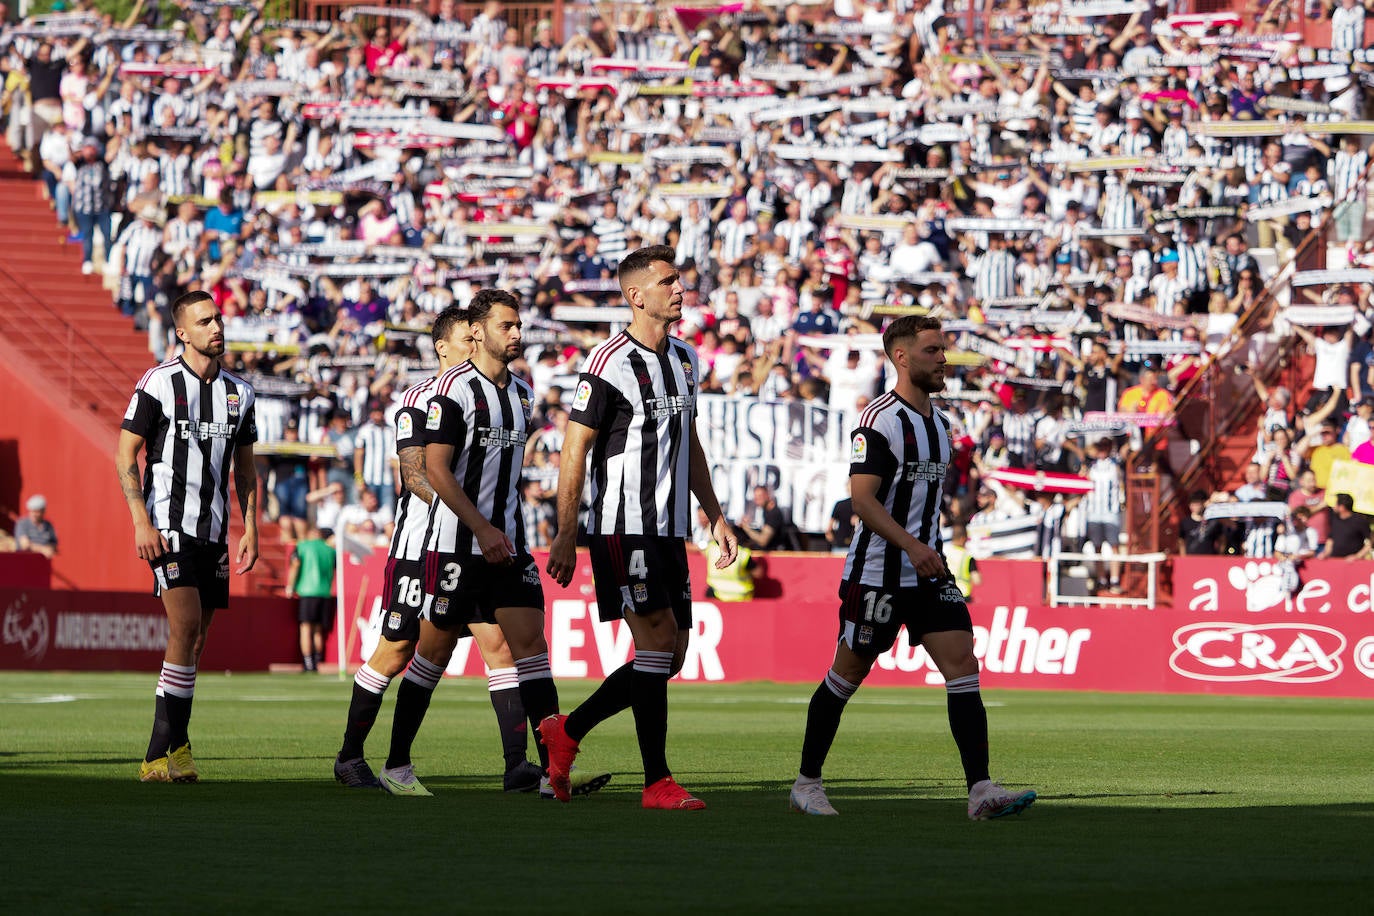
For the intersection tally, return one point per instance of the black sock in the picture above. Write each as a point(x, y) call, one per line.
point(161, 741)
point(412, 702)
point(540, 698)
point(968, 722)
point(362, 713)
point(178, 720)
point(510, 719)
point(611, 697)
point(308, 662)
point(650, 704)
point(822, 721)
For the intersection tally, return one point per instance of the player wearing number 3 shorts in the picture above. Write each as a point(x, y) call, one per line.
point(406, 589)
point(895, 574)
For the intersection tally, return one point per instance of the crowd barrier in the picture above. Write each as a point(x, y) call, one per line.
point(1232, 630)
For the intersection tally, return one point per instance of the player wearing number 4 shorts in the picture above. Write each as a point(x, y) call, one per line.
point(405, 589)
point(895, 574)
point(196, 423)
point(633, 411)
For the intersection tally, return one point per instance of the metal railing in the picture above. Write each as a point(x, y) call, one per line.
point(85, 370)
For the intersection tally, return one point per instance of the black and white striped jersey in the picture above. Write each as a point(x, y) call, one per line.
point(412, 514)
point(910, 453)
point(1103, 504)
point(642, 404)
point(487, 425)
point(378, 443)
point(191, 429)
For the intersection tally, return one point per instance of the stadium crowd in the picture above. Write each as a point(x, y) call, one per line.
point(1090, 194)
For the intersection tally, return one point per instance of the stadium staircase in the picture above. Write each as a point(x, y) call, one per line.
point(71, 360)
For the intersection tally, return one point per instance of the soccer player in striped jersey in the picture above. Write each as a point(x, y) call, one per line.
point(196, 422)
point(477, 560)
point(896, 576)
point(634, 411)
point(405, 589)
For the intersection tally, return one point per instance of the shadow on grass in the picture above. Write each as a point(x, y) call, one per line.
point(106, 844)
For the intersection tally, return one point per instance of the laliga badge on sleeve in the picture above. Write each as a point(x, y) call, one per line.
point(583, 395)
point(858, 450)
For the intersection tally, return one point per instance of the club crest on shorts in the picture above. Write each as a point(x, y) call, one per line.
point(405, 426)
point(858, 449)
point(641, 593)
point(440, 607)
point(232, 402)
point(583, 395)
point(864, 636)
point(173, 571)
point(434, 416)
point(393, 620)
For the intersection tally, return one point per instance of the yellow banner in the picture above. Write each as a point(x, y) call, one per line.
point(319, 198)
point(254, 346)
point(300, 449)
point(1354, 478)
point(679, 89)
point(617, 158)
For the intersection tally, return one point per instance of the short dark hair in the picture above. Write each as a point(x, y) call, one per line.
point(487, 299)
point(1346, 500)
point(639, 260)
point(906, 328)
point(186, 300)
point(444, 322)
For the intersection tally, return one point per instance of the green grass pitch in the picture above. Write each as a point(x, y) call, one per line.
point(1147, 804)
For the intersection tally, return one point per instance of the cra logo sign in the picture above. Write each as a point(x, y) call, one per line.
point(1292, 653)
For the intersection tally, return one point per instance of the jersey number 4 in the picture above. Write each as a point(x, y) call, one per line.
point(638, 568)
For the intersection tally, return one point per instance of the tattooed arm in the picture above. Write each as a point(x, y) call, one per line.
point(148, 541)
point(413, 473)
point(246, 485)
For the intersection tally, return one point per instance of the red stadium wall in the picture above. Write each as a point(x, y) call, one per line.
point(1230, 633)
point(47, 447)
point(44, 630)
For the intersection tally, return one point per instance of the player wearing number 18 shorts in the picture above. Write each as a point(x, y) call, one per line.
point(406, 589)
point(479, 566)
point(895, 574)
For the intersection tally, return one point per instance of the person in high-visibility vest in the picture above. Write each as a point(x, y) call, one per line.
point(961, 563)
point(733, 583)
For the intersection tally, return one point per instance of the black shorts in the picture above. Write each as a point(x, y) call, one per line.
point(468, 589)
point(193, 563)
point(319, 611)
point(404, 588)
point(641, 573)
point(870, 616)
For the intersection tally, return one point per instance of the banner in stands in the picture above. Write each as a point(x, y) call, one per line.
point(787, 633)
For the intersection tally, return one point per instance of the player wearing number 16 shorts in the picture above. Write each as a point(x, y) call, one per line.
point(895, 574)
